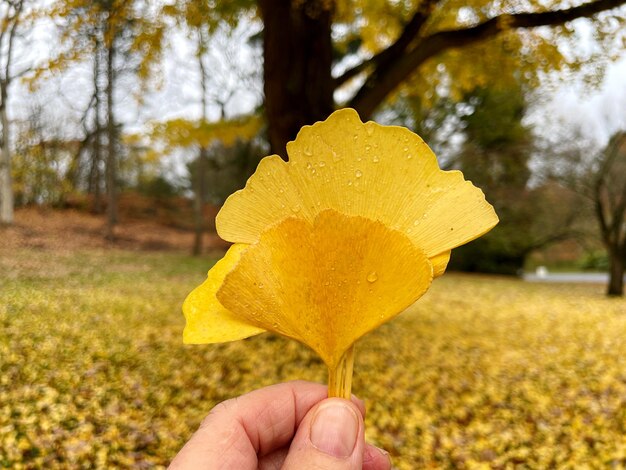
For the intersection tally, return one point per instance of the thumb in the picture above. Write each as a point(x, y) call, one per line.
point(331, 436)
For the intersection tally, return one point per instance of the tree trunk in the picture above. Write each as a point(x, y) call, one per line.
point(201, 168)
point(198, 202)
point(96, 176)
point(9, 27)
point(297, 76)
point(111, 161)
point(6, 180)
point(616, 273)
point(97, 138)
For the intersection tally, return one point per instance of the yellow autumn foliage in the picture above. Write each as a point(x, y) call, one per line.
point(483, 372)
point(185, 133)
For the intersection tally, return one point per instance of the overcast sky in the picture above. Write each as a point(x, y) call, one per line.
point(599, 112)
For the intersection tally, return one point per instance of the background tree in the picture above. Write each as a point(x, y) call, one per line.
point(215, 89)
point(117, 37)
point(218, 146)
point(12, 17)
point(609, 195)
point(495, 155)
point(42, 158)
point(597, 174)
point(212, 30)
point(394, 39)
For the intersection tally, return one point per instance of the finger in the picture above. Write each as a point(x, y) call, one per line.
point(238, 430)
point(331, 436)
point(375, 458)
point(273, 460)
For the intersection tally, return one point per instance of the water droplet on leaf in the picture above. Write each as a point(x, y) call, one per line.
point(372, 277)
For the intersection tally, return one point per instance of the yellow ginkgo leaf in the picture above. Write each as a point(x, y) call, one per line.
point(342, 238)
point(207, 320)
point(383, 173)
point(327, 282)
point(440, 263)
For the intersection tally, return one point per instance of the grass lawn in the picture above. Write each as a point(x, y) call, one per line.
point(483, 372)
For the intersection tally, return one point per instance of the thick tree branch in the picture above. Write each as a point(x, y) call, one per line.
point(619, 214)
point(409, 33)
point(548, 240)
point(383, 81)
point(604, 226)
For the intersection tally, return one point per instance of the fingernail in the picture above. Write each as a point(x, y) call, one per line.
point(372, 455)
point(334, 429)
point(384, 453)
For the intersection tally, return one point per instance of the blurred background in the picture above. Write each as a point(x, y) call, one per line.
point(124, 125)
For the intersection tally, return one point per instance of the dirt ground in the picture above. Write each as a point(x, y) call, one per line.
point(61, 230)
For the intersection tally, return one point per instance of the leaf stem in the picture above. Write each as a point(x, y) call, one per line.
point(340, 378)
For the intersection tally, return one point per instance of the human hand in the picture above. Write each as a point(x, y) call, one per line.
point(286, 426)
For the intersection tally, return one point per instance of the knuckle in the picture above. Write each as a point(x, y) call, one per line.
point(221, 409)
